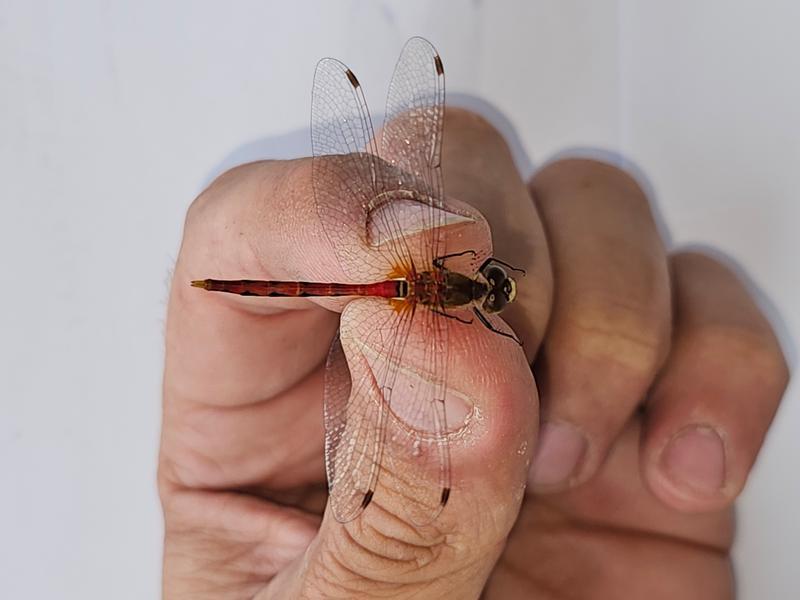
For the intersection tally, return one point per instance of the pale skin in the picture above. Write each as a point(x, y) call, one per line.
point(632, 346)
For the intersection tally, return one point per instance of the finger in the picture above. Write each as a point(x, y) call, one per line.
point(480, 170)
point(257, 222)
point(609, 330)
point(615, 520)
point(238, 370)
point(715, 399)
point(382, 551)
point(236, 541)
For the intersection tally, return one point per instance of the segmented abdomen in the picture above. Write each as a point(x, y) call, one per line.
point(250, 287)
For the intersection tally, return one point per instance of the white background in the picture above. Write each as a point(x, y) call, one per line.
point(113, 116)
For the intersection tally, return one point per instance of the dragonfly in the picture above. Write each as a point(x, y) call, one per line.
point(380, 200)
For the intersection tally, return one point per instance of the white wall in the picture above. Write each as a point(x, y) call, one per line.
point(113, 115)
point(710, 99)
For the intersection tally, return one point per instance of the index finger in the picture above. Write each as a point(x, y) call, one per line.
point(256, 222)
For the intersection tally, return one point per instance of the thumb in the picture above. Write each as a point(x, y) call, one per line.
point(398, 546)
point(411, 540)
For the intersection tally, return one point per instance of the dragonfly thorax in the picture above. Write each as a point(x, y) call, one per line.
point(441, 288)
point(491, 289)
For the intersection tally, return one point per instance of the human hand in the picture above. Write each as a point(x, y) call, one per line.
point(241, 472)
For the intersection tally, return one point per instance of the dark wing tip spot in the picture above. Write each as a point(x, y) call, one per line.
point(439, 66)
point(445, 495)
point(367, 499)
point(352, 77)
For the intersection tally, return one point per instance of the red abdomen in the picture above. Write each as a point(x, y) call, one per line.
point(249, 287)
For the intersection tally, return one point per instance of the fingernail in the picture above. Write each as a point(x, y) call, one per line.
point(414, 390)
point(561, 448)
point(694, 460)
point(407, 217)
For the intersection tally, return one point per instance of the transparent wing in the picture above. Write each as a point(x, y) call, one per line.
point(350, 182)
point(385, 411)
point(358, 392)
point(411, 140)
point(381, 217)
point(419, 456)
point(352, 466)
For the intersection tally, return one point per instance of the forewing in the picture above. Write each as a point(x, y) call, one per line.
point(350, 181)
point(411, 140)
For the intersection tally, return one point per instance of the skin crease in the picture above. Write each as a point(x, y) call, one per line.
point(241, 471)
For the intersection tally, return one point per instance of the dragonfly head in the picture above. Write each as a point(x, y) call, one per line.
point(502, 288)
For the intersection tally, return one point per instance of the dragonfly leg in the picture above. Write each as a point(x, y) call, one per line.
point(457, 318)
point(482, 318)
point(490, 260)
point(438, 262)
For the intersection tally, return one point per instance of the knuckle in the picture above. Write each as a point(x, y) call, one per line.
point(217, 189)
point(466, 117)
point(196, 211)
point(744, 350)
point(463, 119)
point(584, 175)
point(233, 208)
point(244, 188)
point(611, 332)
